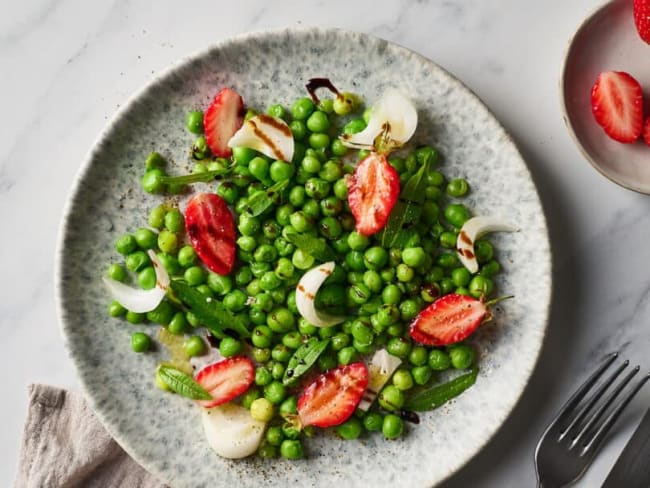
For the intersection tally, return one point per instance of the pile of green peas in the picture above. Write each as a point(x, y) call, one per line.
point(381, 289)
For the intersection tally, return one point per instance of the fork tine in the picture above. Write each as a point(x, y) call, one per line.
point(576, 398)
point(597, 439)
point(593, 421)
point(572, 427)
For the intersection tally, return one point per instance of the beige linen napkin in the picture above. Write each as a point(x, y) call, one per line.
point(64, 445)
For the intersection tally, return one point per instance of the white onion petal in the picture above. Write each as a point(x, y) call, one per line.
point(306, 291)
point(266, 134)
point(473, 229)
point(380, 369)
point(393, 113)
point(136, 299)
point(231, 431)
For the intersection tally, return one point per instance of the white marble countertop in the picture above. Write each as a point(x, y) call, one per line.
point(67, 65)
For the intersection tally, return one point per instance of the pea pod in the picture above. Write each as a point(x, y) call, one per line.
point(211, 313)
point(303, 359)
point(311, 245)
point(205, 177)
point(182, 383)
point(439, 394)
point(262, 200)
point(408, 207)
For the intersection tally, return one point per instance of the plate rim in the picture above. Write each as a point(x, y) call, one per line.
point(160, 77)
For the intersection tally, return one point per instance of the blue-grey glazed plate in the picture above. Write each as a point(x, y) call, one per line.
point(163, 432)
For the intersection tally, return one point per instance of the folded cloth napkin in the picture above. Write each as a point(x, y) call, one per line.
point(64, 445)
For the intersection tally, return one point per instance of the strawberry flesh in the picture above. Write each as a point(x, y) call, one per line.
point(451, 318)
point(646, 131)
point(642, 18)
point(225, 380)
point(374, 188)
point(617, 105)
point(211, 230)
point(332, 397)
point(221, 120)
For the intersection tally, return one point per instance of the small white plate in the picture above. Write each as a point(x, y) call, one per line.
point(606, 41)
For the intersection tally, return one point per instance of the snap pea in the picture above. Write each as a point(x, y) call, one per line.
point(439, 394)
point(303, 359)
point(259, 202)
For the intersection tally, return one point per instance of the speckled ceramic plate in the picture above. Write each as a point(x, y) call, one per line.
point(162, 431)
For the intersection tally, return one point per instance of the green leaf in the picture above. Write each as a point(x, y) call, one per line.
point(408, 207)
point(262, 200)
point(211, 313)
point(182, 383)
point(311, 245)
point(303, 359)
point(205, 177)
point(439, 394)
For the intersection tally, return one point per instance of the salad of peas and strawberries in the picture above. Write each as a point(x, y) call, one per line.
point(312, 271)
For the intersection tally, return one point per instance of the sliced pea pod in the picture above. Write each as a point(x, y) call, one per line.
point(439, 394)
point(262, 200)
point(211, 313)
point(303, 359)
point(311, 245)
point(205, 177)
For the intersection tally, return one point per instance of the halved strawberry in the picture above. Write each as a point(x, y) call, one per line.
point(374, 188)
point(646, 131)
point(332, 397)
point(642, 18)
point(221, 120)
point(617, 104)
point(211, 230)
point(449, 319)
point(226, 379)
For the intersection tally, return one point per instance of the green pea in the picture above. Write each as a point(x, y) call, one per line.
point(192, 319)
point(135, 317)
point(430, 292)
point(480, 286)
point(194, 346)
point(302, 108)
point(281, 170)
point(235, 300)
point(375, 258)
point(326, 332)
point(281, 353)
point(319, 140)
point(289, 406)
point(283, 213)
point(137, 261)
point(194, 122)
point(373, 281)
point(291, 449)
point(263, 376)
point(460, 276)
point(357, 242)
point(404, 273)
point(257, 316)
point(186, 256)
point(399, 346)
point(116, 272)
point(391, 294)
point(338, 148)
point(483, 250)
point(154, 161)
point(178, 324)
point(350, 429)
point(344, 103)
point(391, 398)
point(448, 240)
point(418, 356)
point(461, 356)
point(275, 392)
point(162, 314)
point(304, 327)
point(259, 168)
point(302, 260)
point(373, 421)
point(292, 340)
point(269, 281)
point(152, 181)
point(446, 286)
point(326, 362)
point(167, 241)
point(421, 374)
point(318, 122)
point(347, 355)
point(330, 228)
point(339, 341)
point(490, 268)
point(317, 188)
point(249, 396)
point(447, 260)
point(229, 346)
point(194, 275)
point(457, 187)
point(280, 320)
point(200, 149)
point(439, 360)
point(298, 129)
point(456, 214)
point(403, 380)
point(263, 301)
point(174, 221)
point(219, 284)
point(265, 253)
point(392, 426)
point(413, 256)
point(262, 409)
point(354, 126)
point(274, 435)
point(362, 333)
point(297, 196)
point(126, 244)
point(140, 342)
point(332, 170)
point(248, 225)
point(115, 309)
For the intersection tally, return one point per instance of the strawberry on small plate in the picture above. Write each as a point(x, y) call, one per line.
point(617, 103)
point(642, 19)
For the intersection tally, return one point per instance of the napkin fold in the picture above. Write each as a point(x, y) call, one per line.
point(65, 445)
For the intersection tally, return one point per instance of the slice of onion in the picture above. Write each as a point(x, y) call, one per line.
point(138, 300)
point(393, 119)
point(381, 368)
point(231, 431)
point(472, 230)
point(269, 135)
point(306, 291)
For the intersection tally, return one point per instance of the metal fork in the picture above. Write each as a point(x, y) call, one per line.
point(571, 441)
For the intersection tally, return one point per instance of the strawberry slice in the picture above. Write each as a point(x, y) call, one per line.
point(374, 188)
point(211, 230)
point(617, 104)
point(646, 131)
point(449, 319)
point(332, 397)
point(225, 379)
point(222, 119)
point(642, 18)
